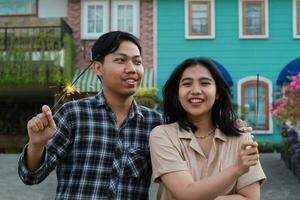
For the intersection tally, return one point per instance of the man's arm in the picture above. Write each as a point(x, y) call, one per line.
point(40, 129)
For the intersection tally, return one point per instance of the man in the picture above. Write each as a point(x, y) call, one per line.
point(99, 145)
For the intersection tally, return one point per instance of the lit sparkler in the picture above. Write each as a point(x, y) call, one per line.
point(71, 88)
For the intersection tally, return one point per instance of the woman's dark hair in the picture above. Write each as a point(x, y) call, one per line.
point(110, 42)
point(223, 115)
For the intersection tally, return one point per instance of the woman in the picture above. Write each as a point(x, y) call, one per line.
point(198, 153)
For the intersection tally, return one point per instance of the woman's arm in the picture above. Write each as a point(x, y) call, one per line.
point(182, 185)
point(250, 192)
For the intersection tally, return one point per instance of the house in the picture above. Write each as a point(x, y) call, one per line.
point(257, 43)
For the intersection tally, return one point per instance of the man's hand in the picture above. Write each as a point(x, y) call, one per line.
point(41, 128)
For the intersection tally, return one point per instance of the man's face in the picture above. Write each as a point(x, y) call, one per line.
point(121, 71)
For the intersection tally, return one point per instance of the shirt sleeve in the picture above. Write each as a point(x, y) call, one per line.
point(165, 155)
point(255, 173)
point(54, 151)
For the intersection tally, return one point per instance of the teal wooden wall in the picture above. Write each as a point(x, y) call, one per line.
point(241, 57)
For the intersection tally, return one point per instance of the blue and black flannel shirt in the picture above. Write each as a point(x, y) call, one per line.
point(94, 157)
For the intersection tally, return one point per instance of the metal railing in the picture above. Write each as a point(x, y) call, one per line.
point(27, 36)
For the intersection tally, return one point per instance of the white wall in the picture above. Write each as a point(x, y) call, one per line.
point(53, 8)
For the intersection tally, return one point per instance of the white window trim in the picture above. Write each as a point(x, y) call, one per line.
point(155, 48)
point(241, 35)
point(186, 21)
point(295, 20)
point(239, 96)
point(136, 15)
point(83, 28)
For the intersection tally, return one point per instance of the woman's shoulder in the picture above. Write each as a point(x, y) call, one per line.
point(166, 127)
point(165, 130)
point(243, 137)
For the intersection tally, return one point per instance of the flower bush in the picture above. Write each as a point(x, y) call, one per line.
point(287, 107)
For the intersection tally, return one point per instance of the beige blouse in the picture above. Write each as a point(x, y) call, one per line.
point(173, 149)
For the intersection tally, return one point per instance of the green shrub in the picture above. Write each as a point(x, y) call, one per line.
point(267, 147)
point(147, 97)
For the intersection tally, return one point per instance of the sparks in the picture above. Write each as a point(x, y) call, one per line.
point(70, 89)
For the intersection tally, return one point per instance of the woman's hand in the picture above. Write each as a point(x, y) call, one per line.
point(248, 157)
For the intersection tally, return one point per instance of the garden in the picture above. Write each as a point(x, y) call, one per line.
point(286, 109)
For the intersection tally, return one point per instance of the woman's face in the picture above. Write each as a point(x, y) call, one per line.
point(197, 92)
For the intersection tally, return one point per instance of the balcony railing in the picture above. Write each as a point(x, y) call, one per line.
point(34, 38)
point(36, 56)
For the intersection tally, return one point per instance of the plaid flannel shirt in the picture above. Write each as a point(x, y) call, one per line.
point(94, 157)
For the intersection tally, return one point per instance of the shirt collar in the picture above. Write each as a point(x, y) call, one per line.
point(101, 101)
point(183, 134)
point(134, 109)
point(220, 135)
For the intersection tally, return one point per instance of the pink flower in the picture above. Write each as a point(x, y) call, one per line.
point(277, 104)
point(293, 83)
point(286, 91)
point(287, 107)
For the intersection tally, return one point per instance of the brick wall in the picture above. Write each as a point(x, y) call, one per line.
point(83, 46)
point(146, 31)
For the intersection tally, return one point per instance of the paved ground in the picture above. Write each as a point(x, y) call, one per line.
point(281, 184)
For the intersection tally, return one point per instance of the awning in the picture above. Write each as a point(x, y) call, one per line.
point(88, 82)
point(148, 79)
point(224, 72)
point(290, 69)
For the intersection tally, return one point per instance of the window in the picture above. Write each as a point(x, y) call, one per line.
point(255, 104)
point(98, 17)
point(94, 21)
point(296, 18)
point(125, 16)
point(18, 7)
point(199, 21)
point(253, 17)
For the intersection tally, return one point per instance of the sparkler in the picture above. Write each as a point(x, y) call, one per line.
point(71, 88)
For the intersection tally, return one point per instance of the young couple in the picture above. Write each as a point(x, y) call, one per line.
point(100, 145)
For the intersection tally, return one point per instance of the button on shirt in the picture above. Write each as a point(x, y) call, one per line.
point(94, 157)
point(174, 149)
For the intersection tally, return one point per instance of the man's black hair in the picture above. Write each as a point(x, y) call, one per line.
point(110, 42)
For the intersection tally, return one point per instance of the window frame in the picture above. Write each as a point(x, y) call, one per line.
point(211, 20)
point(136, 15)
point(84, 17)
point(296, 19)
point(35, 12)
point(267, 84)
point(264, 23)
